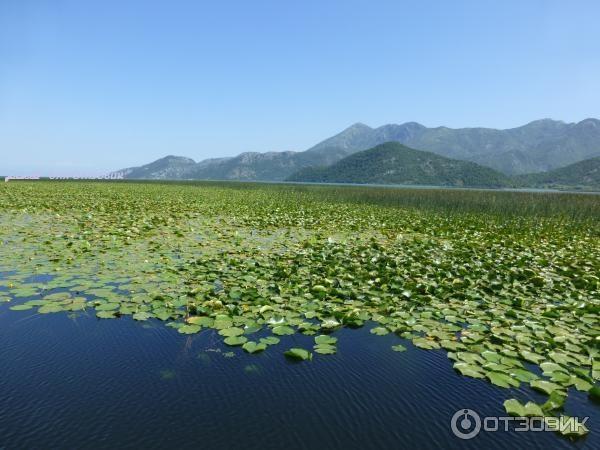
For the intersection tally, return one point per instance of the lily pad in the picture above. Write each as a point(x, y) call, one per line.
point(254, 347)
point(532, 357)
point(235, 340)
point(426, 344)
point(502, 379)
point(514, 408)
point(530, 409)
point(50, 308)
point(269, 340)
point(545, 386)
point(399, 348)
point(469, 370)
point(555, 401)
point(298, 354)
point(325, 349)
point(107, 306)
point(379, 331)
point(189, 329)
point(325, 339)
point(233, 331)
point(201, 320)
point(142, 316)
point(522, 375)
point(106, 314)
point(20, 307)
point(282, 330)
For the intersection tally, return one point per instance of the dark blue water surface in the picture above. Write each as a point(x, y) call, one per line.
point(81, 382)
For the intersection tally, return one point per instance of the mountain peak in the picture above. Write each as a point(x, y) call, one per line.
point(589, 122)
point(346, 139)
point(358, 126)
point(413, 125)
point(175, 158)
point(545, 122)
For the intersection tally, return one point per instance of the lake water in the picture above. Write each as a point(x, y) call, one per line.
point(83, 382)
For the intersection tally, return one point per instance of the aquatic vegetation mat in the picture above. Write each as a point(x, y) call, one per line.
point(512, 301)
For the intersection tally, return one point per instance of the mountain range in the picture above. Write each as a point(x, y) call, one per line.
point(539, 146)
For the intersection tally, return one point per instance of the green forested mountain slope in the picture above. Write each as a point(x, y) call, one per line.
point(394, 163)
point(583, 174)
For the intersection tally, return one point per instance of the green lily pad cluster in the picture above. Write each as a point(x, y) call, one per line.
point(512, 300)
point(559, 424)
point(325, 345)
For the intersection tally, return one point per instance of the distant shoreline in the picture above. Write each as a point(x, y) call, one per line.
point(310, 183)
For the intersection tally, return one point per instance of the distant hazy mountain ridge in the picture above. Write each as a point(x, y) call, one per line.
point(167, 168)
point(539, 146)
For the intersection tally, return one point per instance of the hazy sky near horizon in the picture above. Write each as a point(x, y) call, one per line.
point(87, 87)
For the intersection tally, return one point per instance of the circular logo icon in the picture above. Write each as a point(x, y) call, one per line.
point(465, 424)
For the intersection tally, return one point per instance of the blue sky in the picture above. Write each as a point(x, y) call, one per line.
point(91, 86)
